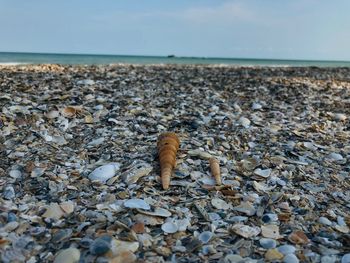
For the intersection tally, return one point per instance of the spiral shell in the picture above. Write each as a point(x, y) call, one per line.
point(168, 145)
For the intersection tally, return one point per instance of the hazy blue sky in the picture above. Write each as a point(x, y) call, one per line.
point(296, 29)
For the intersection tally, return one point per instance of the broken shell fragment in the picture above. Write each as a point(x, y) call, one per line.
point(168, 144)
point(105, 172)
point(69, 112)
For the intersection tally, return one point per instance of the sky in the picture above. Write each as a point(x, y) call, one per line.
point(277, 29)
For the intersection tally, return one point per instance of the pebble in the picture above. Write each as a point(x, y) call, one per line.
point(170, 227)
point(205, 236)
point(182, 224)
point(67, 207)
point(101, 245)
point(137, 203)
point(263, 172)
point(346, 258)
point(9, 192)
point(270, 231)
point(10, 226)
point(53, 211)
point(273, 254)
point(339, 117)
point(239, 219)
point(220, 204)
point(286, 249)
point(245, 122)
point(158, 211)
point(69, 255)
point(15, 174)
point(233, 258)
point(245, 208)
point(335, 157)
point(201, 154)
point(298, 237)
point(86, 82)
point(330, 259)
point(268, 243)
point(269, 218)
point(11, 217)
point(61, 235)
point(325, 221)
point(290, 258)
point(105, 172)
point(118, 247)
point(256, 106)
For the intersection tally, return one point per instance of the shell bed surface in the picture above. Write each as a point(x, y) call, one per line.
point(281, 136)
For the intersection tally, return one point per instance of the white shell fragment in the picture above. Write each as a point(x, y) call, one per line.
point(205, 236)
point(270, 231)
point(244, 122)
point(335, 157)
point(263, 172)
point(256, 106)
point(161, 212)
point(170, 227)
point(136, 171)
point(220, 204)
point(246, 231)
point(201, 154)
point(339, 117)
point(105, 172)
point(137, 203)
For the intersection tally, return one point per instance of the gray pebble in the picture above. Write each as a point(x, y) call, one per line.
point(268, 243)
point(325, 221)
point(286, 249)
point(329, 259)
point(101, 245)
point(346, 258)
point(9, 192)
point(290, 258)
point(11, 217)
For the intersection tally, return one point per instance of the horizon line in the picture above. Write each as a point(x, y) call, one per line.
point(172, 56)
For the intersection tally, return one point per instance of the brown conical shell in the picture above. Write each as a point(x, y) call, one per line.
point(168, 144)
point(215, 170)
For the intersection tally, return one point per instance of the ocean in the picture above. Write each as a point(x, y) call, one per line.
point(14, 58)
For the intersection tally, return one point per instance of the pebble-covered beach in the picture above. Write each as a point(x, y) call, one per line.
point(79, 168)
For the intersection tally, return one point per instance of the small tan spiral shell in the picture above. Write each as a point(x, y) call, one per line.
point(215, 170)
point(168, 144)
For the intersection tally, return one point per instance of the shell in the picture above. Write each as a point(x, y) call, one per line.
point(69, 112)
point(215, 170)
point(168, 144)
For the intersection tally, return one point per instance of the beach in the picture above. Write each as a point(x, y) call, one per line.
point(80, 175)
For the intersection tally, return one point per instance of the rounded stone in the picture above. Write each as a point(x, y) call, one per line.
point(325, 221)
point(69, 255)
point(170, 227)
point(137, 203)
point(268, 218)
point(267, 243)
point(101, 245)
point(233, 258)
point(346, 258)
point(286, 249)
point(205, 236)
point(290, 258)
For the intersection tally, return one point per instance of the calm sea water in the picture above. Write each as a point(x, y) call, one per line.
point(39, 58)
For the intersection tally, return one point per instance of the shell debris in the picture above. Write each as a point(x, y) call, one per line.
point(79, 166)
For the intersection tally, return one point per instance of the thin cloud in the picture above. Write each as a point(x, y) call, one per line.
point(226, 13)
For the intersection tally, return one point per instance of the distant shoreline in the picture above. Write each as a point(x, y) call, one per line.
point(83, 59)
